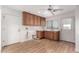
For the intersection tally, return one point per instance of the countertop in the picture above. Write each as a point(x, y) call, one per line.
point(50, 30)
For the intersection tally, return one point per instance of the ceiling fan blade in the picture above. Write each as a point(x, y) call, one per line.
point(52, 13)
point(57, 10)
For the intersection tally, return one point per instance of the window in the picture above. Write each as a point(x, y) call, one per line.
point(52, 24)
point(48, 24)
point(67, 24)
point(55, 24)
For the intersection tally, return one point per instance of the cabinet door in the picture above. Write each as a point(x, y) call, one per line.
point(43, 21)
point(56, 35)
point(28, 19)
point(31, 20)
point(46, 34)
point(38, 21)
point(51, 35)
point(24, 18)
point(35, 20)
point(40, 34)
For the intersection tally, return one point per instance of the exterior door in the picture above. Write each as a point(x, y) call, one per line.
point(68, 29)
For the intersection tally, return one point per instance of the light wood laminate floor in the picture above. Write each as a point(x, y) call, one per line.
point(40, 46)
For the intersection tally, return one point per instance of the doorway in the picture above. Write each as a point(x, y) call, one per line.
point(10, 29)
point(68, 29)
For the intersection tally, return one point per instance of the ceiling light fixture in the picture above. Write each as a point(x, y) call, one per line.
point(38, 12)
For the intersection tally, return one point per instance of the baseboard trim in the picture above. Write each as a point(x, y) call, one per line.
point(67, 41)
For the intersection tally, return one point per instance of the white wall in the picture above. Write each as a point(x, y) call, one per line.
point(0, 28)
point(59, 18)
point(21, 31)
point(31, 31)
point(77, 28)
point(11, 23)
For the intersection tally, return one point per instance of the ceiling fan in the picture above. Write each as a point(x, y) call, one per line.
point(52, 10)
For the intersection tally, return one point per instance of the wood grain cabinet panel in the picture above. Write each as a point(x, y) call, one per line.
point(40, 34)
point(32, 20)
point(56, 35)
point(38, 21)
point(28, 19)
point(24, 19)
point(43, 21)
point(51, 35)
point(48, 34)
point(45, 34)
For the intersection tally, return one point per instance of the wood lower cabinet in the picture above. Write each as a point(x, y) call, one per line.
point(51, 35)
point(45, 34)
point(56, 35)
point(48, 35)
point(40, 34)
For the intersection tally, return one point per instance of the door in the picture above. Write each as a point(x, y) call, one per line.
point(4, 31)
point(68, 29)
point(10, 29)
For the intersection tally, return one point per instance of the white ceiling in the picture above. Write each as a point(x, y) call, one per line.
point(41, 10)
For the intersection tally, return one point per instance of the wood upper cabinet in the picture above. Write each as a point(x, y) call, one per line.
point(28, 19)
point(32, 20)
point(43, 21)
point(38, 21)
point(24, 18)
point(35, 21)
